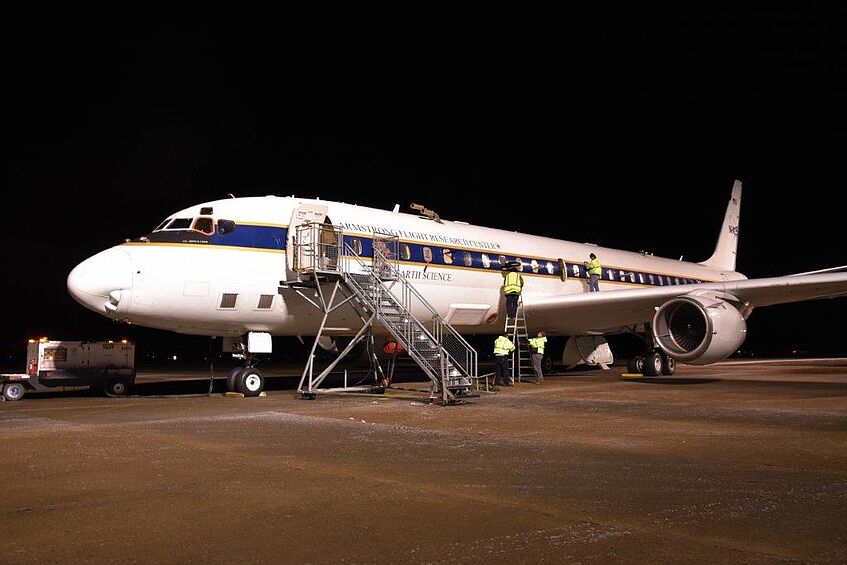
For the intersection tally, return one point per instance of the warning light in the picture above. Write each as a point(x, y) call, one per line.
point(124, 341)
point(32, 341)
point(43, 340)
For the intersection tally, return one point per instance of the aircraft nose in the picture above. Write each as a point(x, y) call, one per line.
point(100, 282)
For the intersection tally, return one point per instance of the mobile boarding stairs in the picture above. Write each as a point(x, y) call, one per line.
point(336, 273)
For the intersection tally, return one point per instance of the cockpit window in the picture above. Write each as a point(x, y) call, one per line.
point(180, 224)
point(204, 226)
point(162, 225)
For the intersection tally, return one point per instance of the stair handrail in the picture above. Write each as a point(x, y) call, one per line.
point(408, 294)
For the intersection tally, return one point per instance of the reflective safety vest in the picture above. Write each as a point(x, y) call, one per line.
point(537, 343)
point(513, 283)
point(594, 267)
point(503, 346)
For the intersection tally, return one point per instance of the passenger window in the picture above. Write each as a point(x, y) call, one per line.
point(468, 258)
point(486, 262)
point(357, 245)
point(534, 265)
point(519, 261)
point(447, 256)
point(405, 252)
point(502, 260)
point(204, 225)
point(652, 279)
point(427, 255)
point(551, 269)
point(576, 270)
point(640, 278)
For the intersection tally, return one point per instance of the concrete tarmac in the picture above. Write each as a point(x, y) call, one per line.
point(731, 463)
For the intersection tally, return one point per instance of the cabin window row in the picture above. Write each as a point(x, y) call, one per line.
point(447, 256)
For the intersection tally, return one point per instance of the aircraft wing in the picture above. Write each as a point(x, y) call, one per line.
point(597, 312)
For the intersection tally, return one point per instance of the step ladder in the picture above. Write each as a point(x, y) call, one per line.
point(520, 362)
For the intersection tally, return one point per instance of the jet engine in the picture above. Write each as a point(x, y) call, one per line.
point(699, 329)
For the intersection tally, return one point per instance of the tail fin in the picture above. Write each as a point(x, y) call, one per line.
point(723, 258)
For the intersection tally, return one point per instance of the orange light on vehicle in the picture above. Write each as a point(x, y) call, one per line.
point(32, 341)
point(43, 340)
point(124, 341)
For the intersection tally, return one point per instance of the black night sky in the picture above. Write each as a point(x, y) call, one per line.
point(625, 129)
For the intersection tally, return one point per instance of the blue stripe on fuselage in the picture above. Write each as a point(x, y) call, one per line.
point(274, 237)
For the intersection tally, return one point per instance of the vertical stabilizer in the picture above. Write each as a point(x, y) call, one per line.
point(723, 258)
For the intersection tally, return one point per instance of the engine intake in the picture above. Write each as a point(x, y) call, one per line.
point(699, 329)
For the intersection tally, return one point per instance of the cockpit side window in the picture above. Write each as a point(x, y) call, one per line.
point(162, 225)
point(204, 225)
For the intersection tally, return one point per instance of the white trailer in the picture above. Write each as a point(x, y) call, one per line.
point(53, 364)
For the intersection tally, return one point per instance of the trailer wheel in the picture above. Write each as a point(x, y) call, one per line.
point(250, 382)
point(13, 391)
point(116, 387)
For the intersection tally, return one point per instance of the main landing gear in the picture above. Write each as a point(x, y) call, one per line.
point(653, 364)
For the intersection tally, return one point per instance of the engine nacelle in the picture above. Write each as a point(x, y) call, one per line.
point(699, 329)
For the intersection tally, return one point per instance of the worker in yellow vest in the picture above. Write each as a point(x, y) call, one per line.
point(512, 286)
point(594, 271)
point(537, 345)
point(503, 347)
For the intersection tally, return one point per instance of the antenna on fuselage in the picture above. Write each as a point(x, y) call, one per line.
point(426, 212)
point(231, 195)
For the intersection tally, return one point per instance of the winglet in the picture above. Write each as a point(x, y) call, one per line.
point(723, 258)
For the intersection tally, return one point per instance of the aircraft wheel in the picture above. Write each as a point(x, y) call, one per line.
point(232, 379)
point(668, 365)
point(652, 364)
point(250, 382)
point(13, 391)
point(636, 364)
point(546, 364)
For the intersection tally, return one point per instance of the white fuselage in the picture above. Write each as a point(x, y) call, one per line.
point(183, 278)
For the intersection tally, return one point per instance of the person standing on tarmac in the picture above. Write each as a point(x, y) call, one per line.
point(512, 286)
point(537, 344)
point(594, 271)
point(503, 347)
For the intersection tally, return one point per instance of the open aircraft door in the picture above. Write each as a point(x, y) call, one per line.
point(303, 214)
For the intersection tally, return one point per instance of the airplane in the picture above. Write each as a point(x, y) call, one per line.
point(240, 268)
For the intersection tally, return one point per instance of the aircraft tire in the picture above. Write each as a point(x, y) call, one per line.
point(250, 382)
point(635, 364)
point(232, 379)
point(668, 365)
point(652, 364)
point(13, 391)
